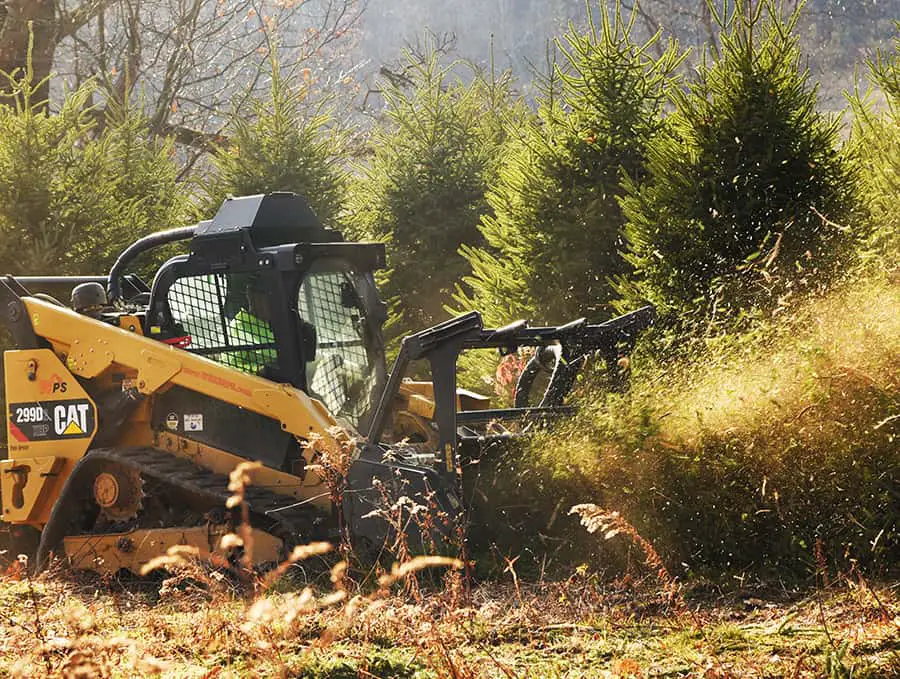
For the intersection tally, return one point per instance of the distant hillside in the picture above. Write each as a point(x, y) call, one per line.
point(836, 34)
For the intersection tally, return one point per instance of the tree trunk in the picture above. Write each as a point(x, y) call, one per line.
point(14, 38)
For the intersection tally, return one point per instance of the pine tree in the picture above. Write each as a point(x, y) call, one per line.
point(747, 198)
point(422, 192)
point(78, 186)
point(876, 142)
point(285, 144)
point(554, 232)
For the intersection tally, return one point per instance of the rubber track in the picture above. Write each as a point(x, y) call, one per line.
point(293, 523)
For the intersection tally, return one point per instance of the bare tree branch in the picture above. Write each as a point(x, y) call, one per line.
point(69, 22)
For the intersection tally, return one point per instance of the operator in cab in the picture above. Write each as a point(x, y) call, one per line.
point(251, 330)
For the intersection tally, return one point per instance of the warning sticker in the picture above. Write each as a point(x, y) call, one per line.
point(193, 422)
point(51, 420)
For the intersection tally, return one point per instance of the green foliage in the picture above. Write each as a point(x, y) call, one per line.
point(885, 71)
point(747, 198)
point(875, 141)
point(389, 662)
point(554, 231)
point(422, 193)
point(281, 146)
point(78, 186)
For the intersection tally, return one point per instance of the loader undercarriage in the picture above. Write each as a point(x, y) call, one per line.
point(180, 497)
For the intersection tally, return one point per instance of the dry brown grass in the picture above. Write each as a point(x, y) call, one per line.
point(572, 628)
point(611, 524)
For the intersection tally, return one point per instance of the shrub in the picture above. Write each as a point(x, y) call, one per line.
point(78, 186)
point(742, 458)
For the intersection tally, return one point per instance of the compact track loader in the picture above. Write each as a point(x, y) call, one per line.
point(128, 408)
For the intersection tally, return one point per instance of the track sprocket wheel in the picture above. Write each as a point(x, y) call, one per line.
point(119, 492)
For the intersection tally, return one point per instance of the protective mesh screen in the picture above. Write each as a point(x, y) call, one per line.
point(221, 327)
point(340, 376)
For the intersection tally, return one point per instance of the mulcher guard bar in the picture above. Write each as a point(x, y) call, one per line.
point(563, 350)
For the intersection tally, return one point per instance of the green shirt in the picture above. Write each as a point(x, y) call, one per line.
point(243, 329)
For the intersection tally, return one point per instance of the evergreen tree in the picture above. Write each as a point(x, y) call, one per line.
point(747, 198)
point(422, 192)
point(281, 146)
point(78, 186)
point(876, 142)
point(553, 235)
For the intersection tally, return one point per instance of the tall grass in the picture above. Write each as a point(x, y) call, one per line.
point(746, 454)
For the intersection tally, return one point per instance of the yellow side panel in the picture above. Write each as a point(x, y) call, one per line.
point(48, 414)
point(26, 485)
point(50, 423)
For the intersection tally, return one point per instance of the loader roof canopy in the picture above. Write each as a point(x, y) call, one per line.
point(271, 219)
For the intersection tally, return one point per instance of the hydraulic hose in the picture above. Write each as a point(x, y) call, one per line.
point(114, 291)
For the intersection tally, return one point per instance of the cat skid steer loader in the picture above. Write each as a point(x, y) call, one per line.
point(127, 409)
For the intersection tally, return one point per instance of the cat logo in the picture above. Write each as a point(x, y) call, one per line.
point(41, 421)
point(71, 419)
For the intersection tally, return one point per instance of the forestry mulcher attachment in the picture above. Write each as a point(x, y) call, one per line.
point(128, 408)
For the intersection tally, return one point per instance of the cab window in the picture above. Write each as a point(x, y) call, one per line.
point(225, 317)
point(342, 373)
